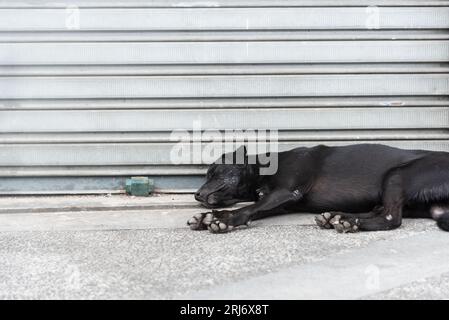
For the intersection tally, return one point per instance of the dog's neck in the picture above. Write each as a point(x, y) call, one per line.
point(254, 181)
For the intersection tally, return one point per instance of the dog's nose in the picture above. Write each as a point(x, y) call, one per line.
point(198, 197)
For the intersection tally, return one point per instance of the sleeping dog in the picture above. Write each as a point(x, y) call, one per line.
point(363, 187)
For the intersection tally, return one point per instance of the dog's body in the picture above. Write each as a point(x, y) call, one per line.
point(370, 186)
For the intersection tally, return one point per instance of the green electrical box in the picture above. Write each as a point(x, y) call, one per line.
point(139, 186)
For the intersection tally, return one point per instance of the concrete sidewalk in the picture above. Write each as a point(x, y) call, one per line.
point(118, 247)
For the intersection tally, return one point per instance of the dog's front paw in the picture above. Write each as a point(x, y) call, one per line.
point(345, 225)
point(220, 221)
point(217, 221)
point(211, 220)
point(224, 221)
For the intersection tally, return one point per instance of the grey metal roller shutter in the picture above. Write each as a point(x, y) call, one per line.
point(90, 90)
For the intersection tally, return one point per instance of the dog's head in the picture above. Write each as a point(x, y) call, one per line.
point(228, 182)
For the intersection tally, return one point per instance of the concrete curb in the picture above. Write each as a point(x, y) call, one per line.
point(47, 204)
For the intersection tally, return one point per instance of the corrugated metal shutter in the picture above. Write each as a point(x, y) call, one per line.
point(90, 90)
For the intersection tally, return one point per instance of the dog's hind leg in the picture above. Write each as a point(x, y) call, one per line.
point(423, 182)
point(428, 184)
point(390, 217)
point(386, 217)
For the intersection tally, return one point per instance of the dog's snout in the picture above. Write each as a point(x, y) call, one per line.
point(198, 196)
point(212, 199)
point(206, 199)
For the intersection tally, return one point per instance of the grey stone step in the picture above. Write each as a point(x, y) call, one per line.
point(28, 204)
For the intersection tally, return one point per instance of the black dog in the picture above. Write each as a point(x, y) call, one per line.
point(359, 187)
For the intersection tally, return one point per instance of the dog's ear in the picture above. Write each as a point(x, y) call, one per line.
point(239, 156)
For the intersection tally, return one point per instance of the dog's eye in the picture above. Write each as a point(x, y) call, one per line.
point(209, 174)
